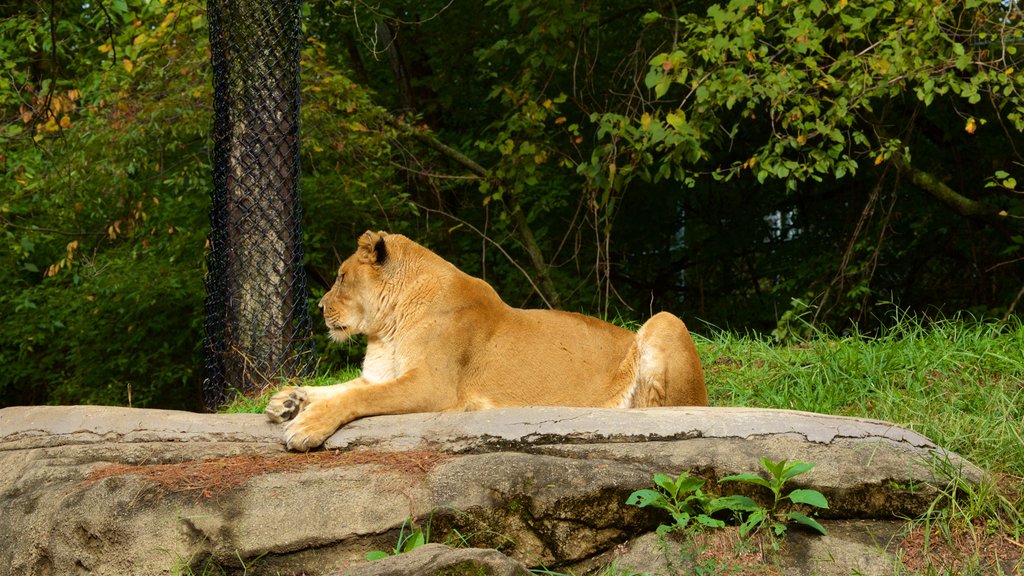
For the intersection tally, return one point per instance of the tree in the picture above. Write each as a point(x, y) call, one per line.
point(734, 120)
point(105, 114)
point(258, 327)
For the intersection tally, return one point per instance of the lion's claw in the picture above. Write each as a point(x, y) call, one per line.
point(286, 404)
point(304, 433)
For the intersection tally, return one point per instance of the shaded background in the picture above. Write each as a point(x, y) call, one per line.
point(751, 166)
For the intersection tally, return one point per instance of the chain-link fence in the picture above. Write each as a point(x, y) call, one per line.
point(257, 320)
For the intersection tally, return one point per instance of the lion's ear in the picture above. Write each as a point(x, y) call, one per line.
point(372, 248)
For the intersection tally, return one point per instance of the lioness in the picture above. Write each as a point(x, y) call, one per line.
point(441, 340)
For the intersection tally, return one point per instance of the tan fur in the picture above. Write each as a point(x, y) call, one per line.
point(441, 340)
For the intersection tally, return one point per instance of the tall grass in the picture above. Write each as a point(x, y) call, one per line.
point(961, 383)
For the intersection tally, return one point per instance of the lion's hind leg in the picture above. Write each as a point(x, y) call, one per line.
point(662, 367)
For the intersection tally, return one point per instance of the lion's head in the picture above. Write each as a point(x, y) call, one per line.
point(353, 304)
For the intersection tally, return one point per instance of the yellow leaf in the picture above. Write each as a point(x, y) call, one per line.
point(879, 159)
point(65, 122)
point(971, 126)
point(74, 94)
point(612, 169)
point(548, 104)
point(1009, 71)
point(676, 119)
point(128, 65)
point(1004, 213)
point(645, 120)
point(105, 48)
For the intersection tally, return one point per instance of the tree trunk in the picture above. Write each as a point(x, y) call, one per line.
point(257, 293)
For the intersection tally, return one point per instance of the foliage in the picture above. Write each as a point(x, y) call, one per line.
point(964, 504)
point(779, 473)
point(683, 499)
point(105, 215)
point(716, 159)
point(721, 160)
point(105, 120)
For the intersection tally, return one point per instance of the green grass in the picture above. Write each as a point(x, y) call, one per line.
point(241, 404)
point(959, 383)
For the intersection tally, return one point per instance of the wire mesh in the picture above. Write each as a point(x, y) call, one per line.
point(257, 320)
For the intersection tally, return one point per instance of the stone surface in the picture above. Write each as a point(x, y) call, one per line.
point(100, 490)
point(441, 560)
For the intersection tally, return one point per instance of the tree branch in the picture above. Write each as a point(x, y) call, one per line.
point(974, 209)
point(546, 289)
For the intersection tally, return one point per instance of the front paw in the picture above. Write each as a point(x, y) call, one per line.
point(308, 431)
point(286, 404)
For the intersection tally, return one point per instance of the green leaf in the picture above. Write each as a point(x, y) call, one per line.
point(662, 86)
point(416, 540)
point(749, 478)
point(806, 521)
point(773, 468)
point(752, 522)
point(809, 497)
point(710, 522)
point(681, 519)
point(796, 468)
point(649, 18)
point(735, 502)
point(666, 483)
point(643, 498)
point(376, 555)
point(686, 484)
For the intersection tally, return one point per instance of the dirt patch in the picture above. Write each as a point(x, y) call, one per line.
point(970, 549)
point(726, 552)
point(214, 476)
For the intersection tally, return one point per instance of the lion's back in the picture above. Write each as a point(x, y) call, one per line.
point(542, 357)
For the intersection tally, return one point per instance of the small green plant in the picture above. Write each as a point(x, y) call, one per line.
point(682, 498)
point(780, 473)
point(407, 541)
